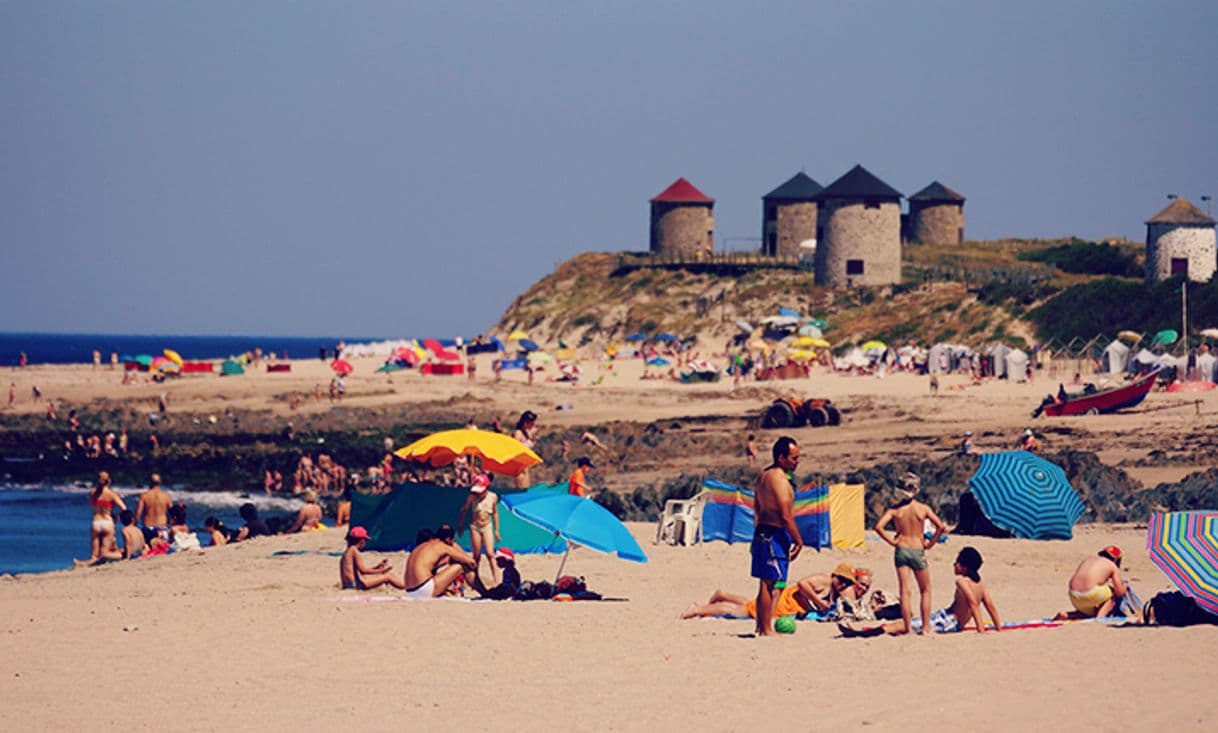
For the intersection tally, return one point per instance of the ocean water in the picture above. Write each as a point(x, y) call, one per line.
point(44, 527)
point(77, 348)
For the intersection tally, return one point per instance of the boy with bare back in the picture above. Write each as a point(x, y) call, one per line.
point(910, 545)
point(152, 511)
point(353, 574)
point(776, 540)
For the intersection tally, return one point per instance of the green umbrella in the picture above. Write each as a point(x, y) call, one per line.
point(818, 323)
point(1166, 337)
point(144, 360)
point(390, 367)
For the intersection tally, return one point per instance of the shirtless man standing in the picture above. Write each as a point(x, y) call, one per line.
point(1096, 588)
point(776, 540)
point(910, 545)
point(434, 565)
point(153, 509)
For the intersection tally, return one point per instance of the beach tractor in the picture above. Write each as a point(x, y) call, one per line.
point(792, 412)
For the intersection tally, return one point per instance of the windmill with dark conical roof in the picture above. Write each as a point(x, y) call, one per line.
point(1180, 240)
point(858, 240)
point(788, 217)
point(936, 216)
point(682, 220)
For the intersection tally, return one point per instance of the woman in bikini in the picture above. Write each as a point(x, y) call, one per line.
point(102, 539)
point(482, 505)
point(526, 432)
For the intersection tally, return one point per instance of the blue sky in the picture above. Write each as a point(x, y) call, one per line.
point(408, 168)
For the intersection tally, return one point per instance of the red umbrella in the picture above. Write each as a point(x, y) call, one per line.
point(342, 366)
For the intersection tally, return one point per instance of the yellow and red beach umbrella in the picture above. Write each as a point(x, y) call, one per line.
point(342, 366)
point(173, 356)
point(500, 453)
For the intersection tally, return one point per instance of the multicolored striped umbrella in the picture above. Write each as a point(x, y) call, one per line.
point(1184, 545)
point(1026, 495)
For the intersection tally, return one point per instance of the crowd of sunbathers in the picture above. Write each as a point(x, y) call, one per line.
point(158, 526)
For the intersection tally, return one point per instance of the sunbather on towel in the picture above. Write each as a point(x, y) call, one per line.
point(1096, 588)
point(816, 592)
point(971, 594)
point(436, 564)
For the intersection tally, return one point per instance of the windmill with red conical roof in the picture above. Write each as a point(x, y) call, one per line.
point(682, 221)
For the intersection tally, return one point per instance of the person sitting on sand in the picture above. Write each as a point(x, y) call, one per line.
point(505, 559)
point(309, 516)
point(910, 545)
point(216, 531)
point(971, 595)
point(436, 564)
point(133, 538)
point(179, 530)
point(254, 527)
point(1096, 588)
point(816, 592)
point(354, 575)
point(102, 544)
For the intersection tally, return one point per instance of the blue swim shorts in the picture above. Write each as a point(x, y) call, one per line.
point(771, 552)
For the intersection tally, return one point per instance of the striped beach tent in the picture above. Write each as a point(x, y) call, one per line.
point(1026, 495)
point(1184, 545)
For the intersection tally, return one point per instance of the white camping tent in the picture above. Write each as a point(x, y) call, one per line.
point(1017, 366)
point(999, 353)
point(1115, 358)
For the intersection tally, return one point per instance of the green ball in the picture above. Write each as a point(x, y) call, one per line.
point(785, 625)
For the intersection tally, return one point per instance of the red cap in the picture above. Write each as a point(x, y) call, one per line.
point(506, 554)
point(1112, 551)
point(358, 533)
point(480, 483)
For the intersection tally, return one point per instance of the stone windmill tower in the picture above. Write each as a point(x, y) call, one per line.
point(682, 220)
point(1180, 240)
point(789, 217)
point(936, 215)
point(858, 232)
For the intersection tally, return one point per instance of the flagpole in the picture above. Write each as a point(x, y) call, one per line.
point(1184, 314)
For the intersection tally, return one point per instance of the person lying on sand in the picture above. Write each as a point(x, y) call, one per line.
point(971, 594)
point(816, 592)
point(354, 574)
point(1096, 588)
point(436, 564)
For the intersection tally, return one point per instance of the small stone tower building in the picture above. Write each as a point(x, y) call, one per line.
point(682, 220)
point(936, 216)
point(1180, 240)
point(858, 232)
point(788, 217)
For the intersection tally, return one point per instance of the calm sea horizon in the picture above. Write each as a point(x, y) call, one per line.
point(77, 348)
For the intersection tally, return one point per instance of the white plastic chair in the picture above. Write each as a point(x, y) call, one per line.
point(681, 522)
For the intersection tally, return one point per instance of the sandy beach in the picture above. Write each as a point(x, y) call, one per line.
point(238, 637)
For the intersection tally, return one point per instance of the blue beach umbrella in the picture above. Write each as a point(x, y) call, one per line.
point(1026, 495)
point(665, 337)
point(578, 520)
point(788, 312)
point(658, 361)
point(528, 345)
point(637, 336)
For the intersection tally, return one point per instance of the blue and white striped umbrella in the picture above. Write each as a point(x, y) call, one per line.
point(1026, 495)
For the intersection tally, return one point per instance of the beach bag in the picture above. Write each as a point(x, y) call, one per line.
point(1177, 609)
point(570, 584)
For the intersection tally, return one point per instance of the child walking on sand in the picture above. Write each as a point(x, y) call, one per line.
point(910, 543)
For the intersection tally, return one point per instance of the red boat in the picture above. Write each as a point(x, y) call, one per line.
point(1103, 401)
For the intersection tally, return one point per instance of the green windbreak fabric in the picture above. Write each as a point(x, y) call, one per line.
point(394, 519)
